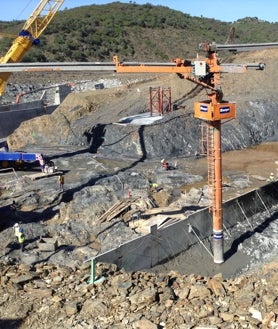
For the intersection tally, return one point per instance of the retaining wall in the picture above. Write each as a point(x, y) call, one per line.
point(12, 115)
point(165, 243)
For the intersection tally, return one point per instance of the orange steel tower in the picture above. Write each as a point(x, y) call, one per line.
point(206, 73)
point(213, 111)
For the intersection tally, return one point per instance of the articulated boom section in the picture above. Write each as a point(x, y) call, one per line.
point(178, 66)
point(204, 72)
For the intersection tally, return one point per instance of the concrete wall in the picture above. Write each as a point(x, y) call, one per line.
point(12, 115)
point(165, 243)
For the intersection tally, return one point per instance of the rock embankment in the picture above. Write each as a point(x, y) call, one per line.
point(46, 296)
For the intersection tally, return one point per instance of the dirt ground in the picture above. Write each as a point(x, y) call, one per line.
point(256, 163)
point(253, 164)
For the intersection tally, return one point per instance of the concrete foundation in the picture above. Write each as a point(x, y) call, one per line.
point(12, 115)
point(167, 242)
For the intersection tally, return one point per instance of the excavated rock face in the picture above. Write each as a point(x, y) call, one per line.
point(88, 119)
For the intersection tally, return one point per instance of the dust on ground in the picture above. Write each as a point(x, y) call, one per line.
point(255, 163)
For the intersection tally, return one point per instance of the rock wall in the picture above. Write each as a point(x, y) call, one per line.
point(11, 116)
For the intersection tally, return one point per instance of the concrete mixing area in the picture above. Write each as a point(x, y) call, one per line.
point(185, 245)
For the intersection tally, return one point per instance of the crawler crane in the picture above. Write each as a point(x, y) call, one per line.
point(205, 73)
point(29, 35)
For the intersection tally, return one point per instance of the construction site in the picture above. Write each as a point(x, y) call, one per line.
point(167, 216)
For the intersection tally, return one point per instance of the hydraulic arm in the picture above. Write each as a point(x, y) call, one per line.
point(204, 72)
point(29, 35)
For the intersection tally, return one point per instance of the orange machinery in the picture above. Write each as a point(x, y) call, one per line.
point(205, 72)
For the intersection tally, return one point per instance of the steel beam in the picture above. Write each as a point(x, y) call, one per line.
point(48, 67)
point(237, 47)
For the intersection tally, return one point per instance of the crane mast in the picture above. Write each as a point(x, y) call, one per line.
point(29, 35)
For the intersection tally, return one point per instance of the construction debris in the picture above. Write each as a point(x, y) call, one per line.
point(42, 175)
point(117, 209)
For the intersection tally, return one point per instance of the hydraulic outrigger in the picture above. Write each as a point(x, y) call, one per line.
point(206, 73)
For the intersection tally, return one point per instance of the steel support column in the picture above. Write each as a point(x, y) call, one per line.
point(218, 245)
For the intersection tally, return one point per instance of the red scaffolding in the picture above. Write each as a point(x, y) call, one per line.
point(160, 100)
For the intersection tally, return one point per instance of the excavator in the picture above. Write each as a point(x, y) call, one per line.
point(29, 35)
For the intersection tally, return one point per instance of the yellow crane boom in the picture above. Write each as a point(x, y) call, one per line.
point(28, 36)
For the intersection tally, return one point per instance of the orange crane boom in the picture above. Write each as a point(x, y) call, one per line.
point(205, 72)
point(28, 36)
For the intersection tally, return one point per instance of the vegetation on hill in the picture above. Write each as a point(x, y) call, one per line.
point(134, 32)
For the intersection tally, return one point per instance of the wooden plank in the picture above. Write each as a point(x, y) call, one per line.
point(103, 217)
point(116, 209)
point(168, 221)
point(161, 210)
point(42, 175)
point(123, 206)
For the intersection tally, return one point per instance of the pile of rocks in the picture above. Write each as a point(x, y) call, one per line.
point(48, 296)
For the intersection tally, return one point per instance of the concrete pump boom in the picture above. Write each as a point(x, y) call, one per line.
point(206, 72)
point(28, 36)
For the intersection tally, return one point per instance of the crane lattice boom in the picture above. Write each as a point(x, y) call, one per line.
point(42, 16)
point(28, 36)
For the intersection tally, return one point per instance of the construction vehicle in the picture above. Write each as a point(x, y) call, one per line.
point(21, 160)
point(206, 73)
point(29, 35)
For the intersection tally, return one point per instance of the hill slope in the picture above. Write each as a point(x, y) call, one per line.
point(134, 32)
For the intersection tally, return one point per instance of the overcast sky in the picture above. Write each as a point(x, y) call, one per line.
point(223, 10)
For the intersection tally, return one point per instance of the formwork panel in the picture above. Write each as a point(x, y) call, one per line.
point(163, 244)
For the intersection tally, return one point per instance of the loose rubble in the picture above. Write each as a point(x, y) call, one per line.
point(60, 297)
